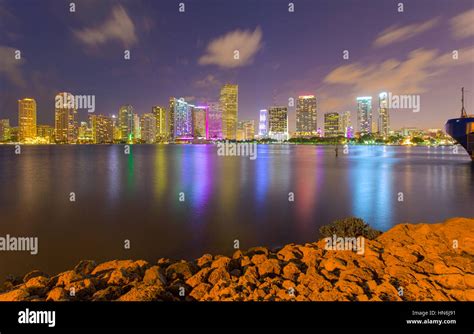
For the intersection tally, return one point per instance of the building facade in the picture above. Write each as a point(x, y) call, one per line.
point(200, 122)
point(263, 123)
point(27, 120)
point(384, 116)
point(278, 123)
point(229, 97)
point(5, 130)
point(126, 122)
point(65, 119)
point(306, 116)
point(364, 114)
point(215, 121)
point(160, 116)
point(331, 124)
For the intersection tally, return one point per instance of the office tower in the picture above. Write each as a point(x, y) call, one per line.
point(126, 122)
point(306, 116)
point(278, 123)
point(148, 128)
point(137, 134)
point(102, 129)
point(183, 120)
point(364, 114)
point(45, 133)
point(84, 133)
point(200, 122)
point(117, 133)
point(160, 116)
point(65, 119)
point(215, 121)
point(384, 117)
point(345, 123)
point(374, 128)
point(331, 124)
point(246, 130)
point(4, 130)
point(26, 120)
point(229, 98)
point(170, 117)
point(263, 123)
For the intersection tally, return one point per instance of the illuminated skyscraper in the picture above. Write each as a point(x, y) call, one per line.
point(215, 121)
point(160, 116)
point(148, 128)
point(170, 117)
point(65, 119)
point(137, 134)
point(102, 129)
point(306, 116)
point(26, 120)
point(384, 117)
point(331, 124)
point(126, 123)
point(229, 98)
point(246, 130)
point(5, 130)
point(278, 123)
point(345, 123)
point(183, 119)
point(364, 114)
point(45, 133)
point(200, 122)
point(263, 123)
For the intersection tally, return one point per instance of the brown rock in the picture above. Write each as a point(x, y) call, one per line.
point(256, 250)
point(14, 295)
point(34, 273)
point(143, 293)
point(200, 277)
point(221, 262)
point(217, 275)
point(85, 267)
point(68, 277)
point(109, 293)
point(289, 253)
point(259, 258)
point(333, 263)
point(180, 270)
point(204, 260)
point(129, 265)
point(291, 271)
point(200, 291)
point(81, 289)
point(154, 275)
point(122, 276)
point(269, 267)
point(57, 294)
point(37, 285)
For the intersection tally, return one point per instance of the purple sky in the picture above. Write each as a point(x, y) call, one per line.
point(282, 54)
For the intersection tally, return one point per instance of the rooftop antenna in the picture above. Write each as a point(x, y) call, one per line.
point(463, 111)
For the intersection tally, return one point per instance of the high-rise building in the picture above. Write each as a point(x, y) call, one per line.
point(170, 117)
point(345, 123)
point(215, 121)
point(26, 120)
point(246, 130)
point(278, 123)
point(384, 116)
point(160, 116)
point(5, 130)
point(65, 119)
point(364, 114)
point(229, 98)
point(102, 129)
point(183, 119)
point(306, 116)
point(331, 124)
point(200, 122)
point(137, 133)
point(263, 123)
point(84, 133)
point(45, 133)
point(148, 128)
point(126, 122)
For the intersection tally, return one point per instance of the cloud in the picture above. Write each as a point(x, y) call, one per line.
point(208, 81)
point(462, 26)
point(10, 67)
point(118, 27)
point(220, 51)
point(396, 34)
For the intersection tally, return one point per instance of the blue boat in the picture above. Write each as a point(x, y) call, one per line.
point(462, 129)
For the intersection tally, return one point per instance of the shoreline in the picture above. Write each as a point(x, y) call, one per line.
point(409, 262)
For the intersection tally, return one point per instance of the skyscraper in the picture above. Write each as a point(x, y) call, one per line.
point(5, 130)
point(278, 123)
point(45, 134)
point(200, 122)
point(160, 116)
point(102, 129)
point(364, 114)
point(215, 121)
point(65, 119)
point(137, 134)
point(183, 120)
point(246, 130)
point(263, 123)
point(229, 103)
point(148, 128)
point(331, 124)
point(170, 117)
point(26, 120)
point(126, 122)
point(345, 123)
point(306, 116)
point(384, 117)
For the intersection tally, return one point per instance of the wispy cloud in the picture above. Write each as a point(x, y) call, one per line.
point(206, 82)
point(462, 25)
point(10, 67)
point(220, 51)
point(395, 34)
point(118, 27)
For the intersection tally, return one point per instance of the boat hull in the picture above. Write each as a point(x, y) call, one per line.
point(462, 130)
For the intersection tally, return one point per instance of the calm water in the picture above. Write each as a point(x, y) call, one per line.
point(136, 197)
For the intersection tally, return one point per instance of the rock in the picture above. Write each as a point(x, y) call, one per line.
point(291, 271)
point(269, 267)
point(14, 295)
point(143, 293)
point(109, 293)
point(180, 270)
point(122, 276)
point(200, 277)
point(256, 250)
point(221, 262)
point(289, 253)
point(129, 265)
point(68, 277)
point(237, 255)
point(259, 258)
point(250, 277)
point(85, 267)
point(37, 285)
point(57, 294)
point(204, 260)
point(236, 272)
point(34, 273)
point(217, 275)
point(333, 263)
point(311, 255)
point(200, 291)
point(154, 275)
point(81, 289)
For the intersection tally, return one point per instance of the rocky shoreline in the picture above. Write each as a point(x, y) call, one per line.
point(410, 262)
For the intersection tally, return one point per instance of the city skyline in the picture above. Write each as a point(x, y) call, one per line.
point(394, 56)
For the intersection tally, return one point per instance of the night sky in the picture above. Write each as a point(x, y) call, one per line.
point(282, 54)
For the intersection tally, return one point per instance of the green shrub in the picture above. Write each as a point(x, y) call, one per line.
point(349, 227)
